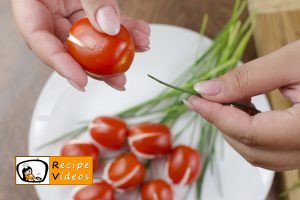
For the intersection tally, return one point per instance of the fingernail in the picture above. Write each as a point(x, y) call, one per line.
point(76, 86)
point(117, 87)
point(108, 20)
point(142, 49)
point(211, 87)
point(188, 104)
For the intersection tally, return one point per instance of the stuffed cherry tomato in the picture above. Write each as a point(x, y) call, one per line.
point(150, 140)
point(98, 191)
point(81, 148)
point(157, 190)
point(98, 53)
point(124, 172)
point(184, 165)
point(110, 132)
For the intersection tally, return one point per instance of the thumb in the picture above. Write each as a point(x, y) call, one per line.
point(259, 76)
point(104, 15)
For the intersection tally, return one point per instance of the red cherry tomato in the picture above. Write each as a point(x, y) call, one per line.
point(157, 190)
point(150, 140)
point(124, 172)
point(77, 148)
point(184, 165)
point(110, 132)
point(98, 53)
point(98, 191)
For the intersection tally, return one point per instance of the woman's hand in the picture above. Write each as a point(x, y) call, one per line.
point(45, 26)
point(272, 139)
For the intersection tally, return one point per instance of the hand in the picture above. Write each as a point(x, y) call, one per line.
point(271, 139)
point(45, 26)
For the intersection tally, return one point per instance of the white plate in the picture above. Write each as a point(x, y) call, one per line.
point(60, 107)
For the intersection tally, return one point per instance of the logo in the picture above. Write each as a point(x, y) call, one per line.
point(32, 170)
point(54, 170)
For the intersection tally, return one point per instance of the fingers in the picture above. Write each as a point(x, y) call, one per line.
point(292, 92)
point(131, 23)
point(269, 159)
point(45, 35)
point(116, 82)
point(141, 40)
point(62, 27)
point(256, 77)
point(270, 140)
point(39, 36)
point(104, 15)
point(140, 32)
point(76, 16)
point(273, 130)
point(50, 49)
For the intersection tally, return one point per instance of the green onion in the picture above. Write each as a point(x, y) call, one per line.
point(293, 188)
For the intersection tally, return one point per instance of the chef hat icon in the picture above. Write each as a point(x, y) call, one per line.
point(25, 165)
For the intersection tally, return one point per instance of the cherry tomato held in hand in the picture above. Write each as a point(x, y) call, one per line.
point(101, 55)
point(110, 132)
point(81, 148)
point(157, 190)
point(184, 165)
point(150, 140)
point(124, 172)
point(98, 191)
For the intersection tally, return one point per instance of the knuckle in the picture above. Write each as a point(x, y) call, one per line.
point(214, 116)
point(252, 159)
point(140, 22)
point(240, 78)
point(294, 113)
point(143, 24)
point(248, 136)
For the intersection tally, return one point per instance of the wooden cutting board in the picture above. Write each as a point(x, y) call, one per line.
point(277, 25)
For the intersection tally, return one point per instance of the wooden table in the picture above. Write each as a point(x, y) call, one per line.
point(22, 75)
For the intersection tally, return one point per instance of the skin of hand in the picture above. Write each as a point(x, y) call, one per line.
point(271, 139)
point(45, 25)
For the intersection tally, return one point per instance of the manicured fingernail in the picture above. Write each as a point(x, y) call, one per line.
point(188, 104)
point(108, 20)
point(142, 49)
point(212, 87)
point(76, 86)
point(117, 87)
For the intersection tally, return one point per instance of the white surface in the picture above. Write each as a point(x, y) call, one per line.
point(60, 107)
